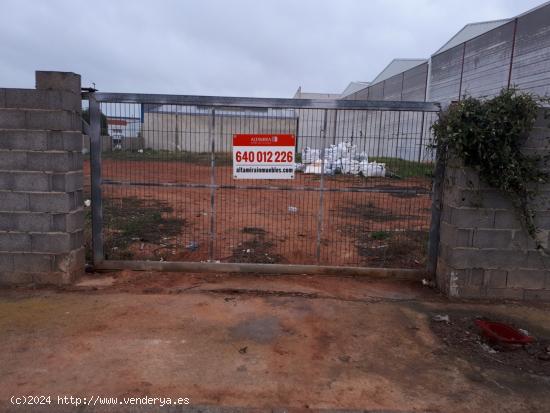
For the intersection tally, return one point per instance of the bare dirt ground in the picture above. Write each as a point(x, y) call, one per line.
point(369, 229)
point(266, 342)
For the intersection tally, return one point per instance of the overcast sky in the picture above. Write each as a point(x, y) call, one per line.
point(231, 47)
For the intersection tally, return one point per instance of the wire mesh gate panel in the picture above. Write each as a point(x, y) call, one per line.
point(163, 188)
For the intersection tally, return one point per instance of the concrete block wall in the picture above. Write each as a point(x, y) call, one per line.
point(484, 251)
point(41, 178)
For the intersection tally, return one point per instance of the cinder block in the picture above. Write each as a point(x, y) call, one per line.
point(56, 120)
point(7, 180)
point(60, 161)
point(542, 202)
point(528, 279)
point(51, 242)
point(542, 219)
point(13, 119)
point(477, 276)
point(53, 278)
point(15, 278)
point(25, 221)
point(23, 140)
point(65, 140)
point(6, 261)
point(455, 237)
point(68, 181)
point(51, 202)
point(496, 278)
point(543, 295)
point(71, 222)
point(537, 260)
point(12, 159)
point(7, 223)
point(14, 241)
point(33, 99)
point(468, 198)
point(492, 238)
point(78, 201)
point(32, 262)
point(472, 217)
point(78, 160)
point(461, 258)
point(523, 241)
point(77, 239)
point(58, 81)
point(446, 212)
point(14, 201)
point(472, 291)
point(495, 200)
point(507, 220)
point(505, 293)
point(467, 178)
point(24, 181)
point(42, 99)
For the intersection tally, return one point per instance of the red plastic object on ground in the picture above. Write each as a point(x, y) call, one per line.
point(502, 333)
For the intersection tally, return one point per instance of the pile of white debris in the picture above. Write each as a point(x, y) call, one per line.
point(342, 158)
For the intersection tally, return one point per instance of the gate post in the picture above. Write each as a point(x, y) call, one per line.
point(212, 136)
point(437, 206)
point(97, 201)
point(321, 191)
point(41, 179)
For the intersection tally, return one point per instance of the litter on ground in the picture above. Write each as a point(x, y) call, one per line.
point(342, 158)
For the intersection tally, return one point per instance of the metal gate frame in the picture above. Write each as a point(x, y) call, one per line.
point(94, 129)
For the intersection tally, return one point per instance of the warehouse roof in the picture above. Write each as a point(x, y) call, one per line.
point(354, 87)
point(395, 67)
point(470, 31)
point(314, 95)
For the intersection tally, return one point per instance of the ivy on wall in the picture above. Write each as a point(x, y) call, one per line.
point(487, 135)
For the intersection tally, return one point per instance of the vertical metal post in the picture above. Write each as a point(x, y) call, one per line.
point(437, 205)
point(334, 128)
point(461, 71)
point(423, 115)
point(402, 84)
point(397, 137)
point(421, 137)
point(379, 135)
point(211, 134)
point(322, 191)
point(512, 53)
point(297, 132)
point(97, 203)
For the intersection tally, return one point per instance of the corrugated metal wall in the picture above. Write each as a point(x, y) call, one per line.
point(516, 54)
point(531, 66)
point(409, 85)
point(487, 62)
point(414, 83)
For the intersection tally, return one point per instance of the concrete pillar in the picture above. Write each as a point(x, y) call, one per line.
point(484, 250)
point(41, 178)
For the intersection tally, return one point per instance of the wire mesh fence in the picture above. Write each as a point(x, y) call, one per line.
point(360, 196)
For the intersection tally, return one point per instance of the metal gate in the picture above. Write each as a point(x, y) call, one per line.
point(162, 190)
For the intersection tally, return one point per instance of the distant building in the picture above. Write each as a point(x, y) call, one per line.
point(308, 95)
point(124, 127)
point(479, 60)
point(353, 87)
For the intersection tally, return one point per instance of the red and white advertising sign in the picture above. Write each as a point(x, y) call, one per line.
point(263, 156)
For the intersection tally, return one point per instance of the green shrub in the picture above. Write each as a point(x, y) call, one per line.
point(487, 135)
